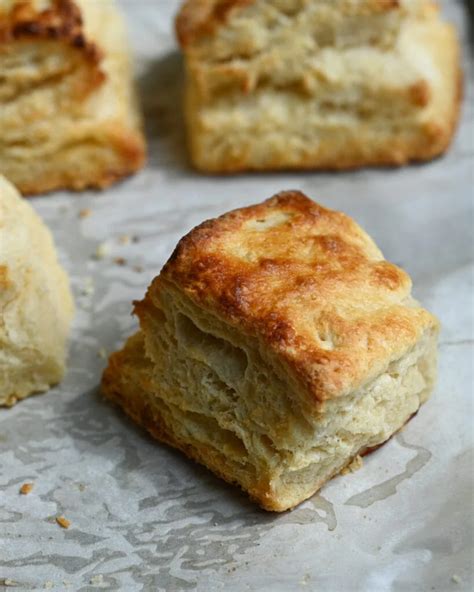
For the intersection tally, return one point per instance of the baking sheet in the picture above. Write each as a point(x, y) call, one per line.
point(142, 516)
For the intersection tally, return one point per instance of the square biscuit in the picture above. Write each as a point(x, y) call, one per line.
point(317, 84)
point(68, 112)
point(275, 346)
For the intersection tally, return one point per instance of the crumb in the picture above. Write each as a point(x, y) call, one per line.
point(135, 239)
point(81, 486)
point(8, 582)
point(102, 251)
point(26, 488)
point(124, 239)
point(305, 579)
point(63, 522)
point(85, 213)
point(120, 261)
point(353, 466)
point(102, 353)
point(48, 585)
point(138, 268)
point(97, 580)
point(67, 583)
point(88, 287)
point(456, 579)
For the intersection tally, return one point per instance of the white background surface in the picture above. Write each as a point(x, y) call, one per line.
point(143, 517)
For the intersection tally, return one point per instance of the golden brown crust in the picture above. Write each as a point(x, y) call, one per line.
point(201, 17)
point(313, 288)
point(61, 21)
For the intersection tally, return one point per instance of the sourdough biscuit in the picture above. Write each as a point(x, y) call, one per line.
point(317, 84)
point(275, 346)
point(36, 305)
point(68, 111)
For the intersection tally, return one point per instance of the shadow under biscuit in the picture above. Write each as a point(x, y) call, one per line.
point(161, 91)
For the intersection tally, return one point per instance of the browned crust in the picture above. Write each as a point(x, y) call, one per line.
point(201, 17)
point(266, 297)
point(62, 22)
point(149, 418)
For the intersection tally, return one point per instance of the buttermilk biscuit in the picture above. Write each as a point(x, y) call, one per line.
point(311, 84)
point(68, 114)
point(36, 306)
point(275, 346)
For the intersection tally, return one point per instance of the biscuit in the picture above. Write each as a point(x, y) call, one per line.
point(317, 84)
point(36, 305)
point(68, 112)
point(275, 346)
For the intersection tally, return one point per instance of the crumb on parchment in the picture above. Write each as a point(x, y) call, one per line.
point(85, 213)
point(456, 579)
point(102, 353)
point(26, 488)
point(101, 251)
point(88, 287)
point(63, 522)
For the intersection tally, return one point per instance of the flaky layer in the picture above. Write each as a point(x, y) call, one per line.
point(319, 84)
point(36, 304)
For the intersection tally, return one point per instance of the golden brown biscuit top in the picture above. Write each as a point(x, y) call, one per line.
point(201, 17)
point(51, 19)
point(309, 283)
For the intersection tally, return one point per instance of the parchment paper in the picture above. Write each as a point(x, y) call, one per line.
point(143, 518)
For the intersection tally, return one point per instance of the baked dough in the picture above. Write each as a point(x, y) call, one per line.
point(275, 346)
point(36, 305)
point(317, 84)
point(68, 112)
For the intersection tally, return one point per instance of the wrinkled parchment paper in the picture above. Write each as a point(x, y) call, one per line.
point(143, 518)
